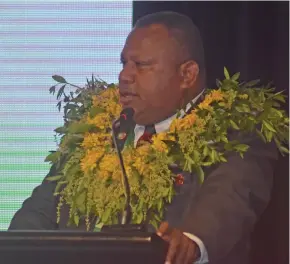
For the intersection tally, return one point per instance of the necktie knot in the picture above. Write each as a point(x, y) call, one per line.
point(147, 135)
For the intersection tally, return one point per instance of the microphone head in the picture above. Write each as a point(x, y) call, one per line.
point(127, 114)
point(126, 123)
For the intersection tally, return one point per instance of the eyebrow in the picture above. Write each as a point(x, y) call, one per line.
point(136, 58)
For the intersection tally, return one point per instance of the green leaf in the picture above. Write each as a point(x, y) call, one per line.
point(79, 128)
point(159, 205)
point(222, 158)
point(243, 108)
point(226, 73)
point(205, 151)
point(207, 163)
point(52, 89)
point(59, 79)
point(284, 150)
point(105, 216)
point(58, 186)
point(96, 110)
point(88, 83)
point(234, 125)
point(280, 97)
point(72, 140)
point(60, 92)
point(98, 227)
point(53, 157)
point(200, 174)
point(76, 220)
point(59, 105)
point(139, 218)
point(268, 126)
point(224, 139)
point(242, 147)
point(80, 201)
point(218, 82)
point(93, 82)
point(239, 109)
point(196, 156)
point(236, 76)
point(268, 135)
point(252, 83)
point(154, 223)
point(71, 106)
point(276, 112)
point(71, 170)
point(213, 155)
point(54, 178)
point(60, 130)
point(222, 104)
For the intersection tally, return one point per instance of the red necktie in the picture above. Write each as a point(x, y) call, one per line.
point(147, 135)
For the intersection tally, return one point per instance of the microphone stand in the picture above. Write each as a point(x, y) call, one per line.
point(127, 213)
point(125, 225)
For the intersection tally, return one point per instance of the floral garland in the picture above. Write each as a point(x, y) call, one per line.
point(88, 171)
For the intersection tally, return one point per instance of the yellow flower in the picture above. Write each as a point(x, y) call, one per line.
point(110, 94)
point(92, 140)
point(141, 166)
point(185, 123)
point(140, 158)
point(217, 95)
point(89, 161)
point(117, 175)
point(205, 104)
point(96, 100)
point(174, 125)
point(102, 175)
point(158, 143)
point(200, 124)
point(114, 109)
point(101, 120)
point(109, 163)
point(144, 149)
point(109, 101)
point(189, 120)
point(214, 95)
point(243, 96)
point(106, 95)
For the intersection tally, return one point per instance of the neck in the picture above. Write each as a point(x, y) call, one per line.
point(190, 95)
point(186, 106)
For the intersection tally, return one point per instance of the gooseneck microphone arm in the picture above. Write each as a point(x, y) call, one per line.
point(127, 212)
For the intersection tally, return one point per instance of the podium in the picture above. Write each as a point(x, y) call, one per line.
point(74, 247)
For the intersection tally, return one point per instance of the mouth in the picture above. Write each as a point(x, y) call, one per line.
point(126, 98)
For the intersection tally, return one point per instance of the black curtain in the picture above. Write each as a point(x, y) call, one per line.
point(251, 38)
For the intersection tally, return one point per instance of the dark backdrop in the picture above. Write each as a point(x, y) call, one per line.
point(251, 38)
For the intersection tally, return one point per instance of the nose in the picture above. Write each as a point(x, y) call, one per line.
point(127, 74)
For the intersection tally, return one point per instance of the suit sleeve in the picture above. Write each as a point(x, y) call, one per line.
point(231, 199)
point(38, 212)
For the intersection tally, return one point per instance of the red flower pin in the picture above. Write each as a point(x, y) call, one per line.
point(179, 179)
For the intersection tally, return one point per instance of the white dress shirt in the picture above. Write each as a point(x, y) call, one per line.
point(161, 127)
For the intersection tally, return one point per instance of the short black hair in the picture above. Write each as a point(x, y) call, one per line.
point(182, 29)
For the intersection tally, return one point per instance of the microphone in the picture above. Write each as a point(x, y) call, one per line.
point(123, 124)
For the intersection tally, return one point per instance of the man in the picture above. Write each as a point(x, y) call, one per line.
point(164, 70)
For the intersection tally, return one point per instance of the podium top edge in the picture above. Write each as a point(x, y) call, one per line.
point(53, 235)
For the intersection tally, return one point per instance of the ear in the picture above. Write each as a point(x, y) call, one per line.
point(188, 72)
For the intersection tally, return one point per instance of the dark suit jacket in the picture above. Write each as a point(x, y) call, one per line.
point(222, 212)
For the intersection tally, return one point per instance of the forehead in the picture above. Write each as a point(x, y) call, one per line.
point(151, 41)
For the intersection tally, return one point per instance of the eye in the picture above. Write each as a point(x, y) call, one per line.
point(142, 63)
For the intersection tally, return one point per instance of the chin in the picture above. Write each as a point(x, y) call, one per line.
point(139, 119)
point(142, 120)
